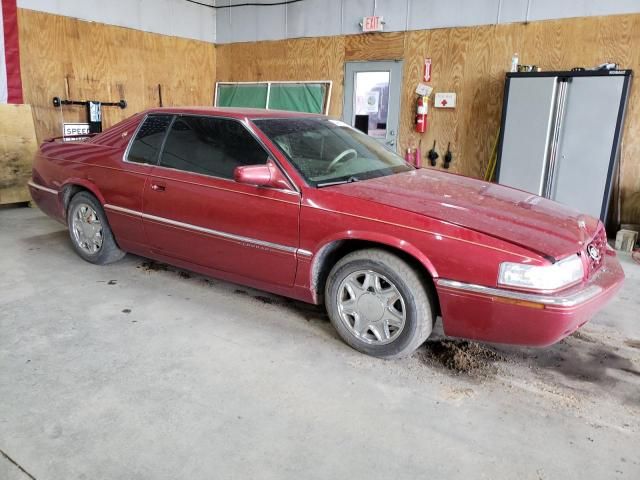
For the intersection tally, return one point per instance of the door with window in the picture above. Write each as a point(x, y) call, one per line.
point(123, 190)
point(195, 211)
point(372, 99)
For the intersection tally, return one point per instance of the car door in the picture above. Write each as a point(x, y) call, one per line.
point(123, 188)
point(195, 211)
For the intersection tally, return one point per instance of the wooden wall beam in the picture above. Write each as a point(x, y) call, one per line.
point(377, 46)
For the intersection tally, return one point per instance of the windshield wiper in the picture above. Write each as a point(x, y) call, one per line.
point(339, 182)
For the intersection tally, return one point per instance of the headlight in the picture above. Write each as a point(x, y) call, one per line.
point(547, 277)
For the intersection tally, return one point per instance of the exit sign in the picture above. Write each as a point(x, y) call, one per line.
point(372, 24)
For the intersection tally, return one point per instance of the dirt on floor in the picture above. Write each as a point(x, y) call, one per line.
point(461, 356)
point(153, 266)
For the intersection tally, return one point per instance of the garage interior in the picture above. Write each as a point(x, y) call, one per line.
point(139, 369)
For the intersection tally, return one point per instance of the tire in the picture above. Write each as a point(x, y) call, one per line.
point(349, 303)
point(83, 234)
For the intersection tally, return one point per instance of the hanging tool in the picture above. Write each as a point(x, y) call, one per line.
point(448, 156)
point(94, 110)
point(432, 155)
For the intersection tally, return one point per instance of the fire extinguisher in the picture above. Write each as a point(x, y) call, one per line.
point(421, 115)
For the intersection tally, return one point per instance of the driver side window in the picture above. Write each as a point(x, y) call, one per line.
point(210, 146)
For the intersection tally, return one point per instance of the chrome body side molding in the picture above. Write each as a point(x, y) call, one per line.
point(559, 300)
point(31, 183)
point(208, 231)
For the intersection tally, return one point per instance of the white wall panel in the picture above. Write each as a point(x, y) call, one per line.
point(168, 17)
point(271, 22)
point(224, 21)
point(314, 18)
point(451, 13)
point(243, 25)
point(394, 13)
point(512, 11)
point(547, 9)
point(353, 11)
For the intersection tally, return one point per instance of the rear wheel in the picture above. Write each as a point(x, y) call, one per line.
point(379, 304)
point(89, 230)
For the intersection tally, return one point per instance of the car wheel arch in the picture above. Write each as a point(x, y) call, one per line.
point(332, 251)
point(72, 187)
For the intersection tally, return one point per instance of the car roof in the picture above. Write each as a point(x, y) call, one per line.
point(250, 113)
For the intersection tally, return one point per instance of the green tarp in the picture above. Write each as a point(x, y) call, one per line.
point(295, 97)
point(240, 95)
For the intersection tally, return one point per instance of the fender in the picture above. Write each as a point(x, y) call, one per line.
point(80, 182)
point(383, 239)
point(327, 244)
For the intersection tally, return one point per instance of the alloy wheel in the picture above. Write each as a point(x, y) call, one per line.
point(371, 307)
point(86, 228)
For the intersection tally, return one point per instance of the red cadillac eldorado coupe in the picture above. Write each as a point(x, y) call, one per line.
point(307, 207)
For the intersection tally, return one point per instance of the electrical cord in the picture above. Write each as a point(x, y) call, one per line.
point(250, 4)
point(491, 165)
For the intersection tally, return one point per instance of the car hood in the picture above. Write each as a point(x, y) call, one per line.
point(527, 220)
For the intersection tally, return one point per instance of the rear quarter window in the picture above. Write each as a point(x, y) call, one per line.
point(146, 146)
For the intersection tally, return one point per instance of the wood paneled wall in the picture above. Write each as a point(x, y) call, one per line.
point(470, 61)
point(65, 57)
point(300, 59)
point(70, 58)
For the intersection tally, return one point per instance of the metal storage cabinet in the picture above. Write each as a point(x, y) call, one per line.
point(560, 135)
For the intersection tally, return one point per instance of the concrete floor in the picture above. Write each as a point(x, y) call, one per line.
point(127, 371)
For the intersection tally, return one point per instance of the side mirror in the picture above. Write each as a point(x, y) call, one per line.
point(267, 175)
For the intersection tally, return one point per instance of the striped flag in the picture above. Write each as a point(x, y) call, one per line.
point(10, 81)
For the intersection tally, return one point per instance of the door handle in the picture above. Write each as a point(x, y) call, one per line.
point(158, 187)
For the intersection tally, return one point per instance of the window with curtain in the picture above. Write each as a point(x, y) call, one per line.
point(309, 97)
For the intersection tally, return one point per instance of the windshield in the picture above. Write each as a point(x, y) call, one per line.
point(327, 151)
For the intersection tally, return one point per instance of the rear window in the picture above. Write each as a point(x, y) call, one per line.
point(148, 141)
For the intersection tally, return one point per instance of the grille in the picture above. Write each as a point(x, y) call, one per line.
point(596, 248)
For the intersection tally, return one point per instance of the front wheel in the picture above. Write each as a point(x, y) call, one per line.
point(379, 304)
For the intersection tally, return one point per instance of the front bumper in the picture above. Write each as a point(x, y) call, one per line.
point(505, 316)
